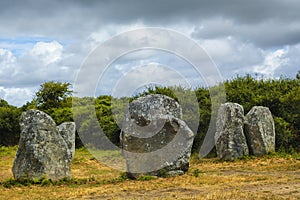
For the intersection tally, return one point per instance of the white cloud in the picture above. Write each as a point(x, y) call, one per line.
point(291, 68)
point(21, 75)
point(109, 31)
point(141, 76)
point(232, 56)
point(7, 64)
point(47, 52)
point(17, 96)
point(218, 48)
point(7, 59)
point(271, 63)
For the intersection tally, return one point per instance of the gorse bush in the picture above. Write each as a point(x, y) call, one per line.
point(9, 124)
point(282, 96)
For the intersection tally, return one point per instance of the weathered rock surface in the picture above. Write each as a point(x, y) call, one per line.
point(43, 151)
point(67, 131)
point(151, 107)
point(230, 139)
point(154, 138)
point(260, 131)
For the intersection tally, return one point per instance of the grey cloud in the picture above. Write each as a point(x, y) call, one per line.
point(237, 34)
point(62, 19)
point(265, 34)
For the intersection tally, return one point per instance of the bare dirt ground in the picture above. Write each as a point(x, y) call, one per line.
point(269, 177)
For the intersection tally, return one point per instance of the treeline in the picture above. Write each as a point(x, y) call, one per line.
point(282, 96)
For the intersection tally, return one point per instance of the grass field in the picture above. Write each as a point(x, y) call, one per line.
point(269, 177)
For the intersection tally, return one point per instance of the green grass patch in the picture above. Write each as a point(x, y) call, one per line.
point(46, 182)
point(8, 151)
point(293, 155)
point(62, 182)
point(146, 178)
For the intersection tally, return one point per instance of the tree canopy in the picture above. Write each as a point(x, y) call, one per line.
point(52, 95)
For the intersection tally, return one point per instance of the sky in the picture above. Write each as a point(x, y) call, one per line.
point(51, 40)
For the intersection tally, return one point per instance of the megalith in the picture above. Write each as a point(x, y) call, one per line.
point(229, 138)
point(45, 150)
point(260, 131)
point(154, 138)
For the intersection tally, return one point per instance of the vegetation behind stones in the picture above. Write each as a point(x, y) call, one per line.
point(282, 96)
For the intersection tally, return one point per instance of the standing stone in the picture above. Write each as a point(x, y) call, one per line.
point(43, 152)
point(154, 139)
point(230, 139)
point(67, 130)
point(260, 131)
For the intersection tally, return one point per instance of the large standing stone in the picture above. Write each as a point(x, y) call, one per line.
point(148, 108)
point(229, 137)
point(43, 151)
point(154, 138)
point(260, 131)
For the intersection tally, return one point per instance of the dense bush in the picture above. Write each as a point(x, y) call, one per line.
point(282, 96)
point(9, 124)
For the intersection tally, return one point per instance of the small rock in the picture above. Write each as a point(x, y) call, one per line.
point(175, 173)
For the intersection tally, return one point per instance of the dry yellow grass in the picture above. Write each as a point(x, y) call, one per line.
point(259, 178)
